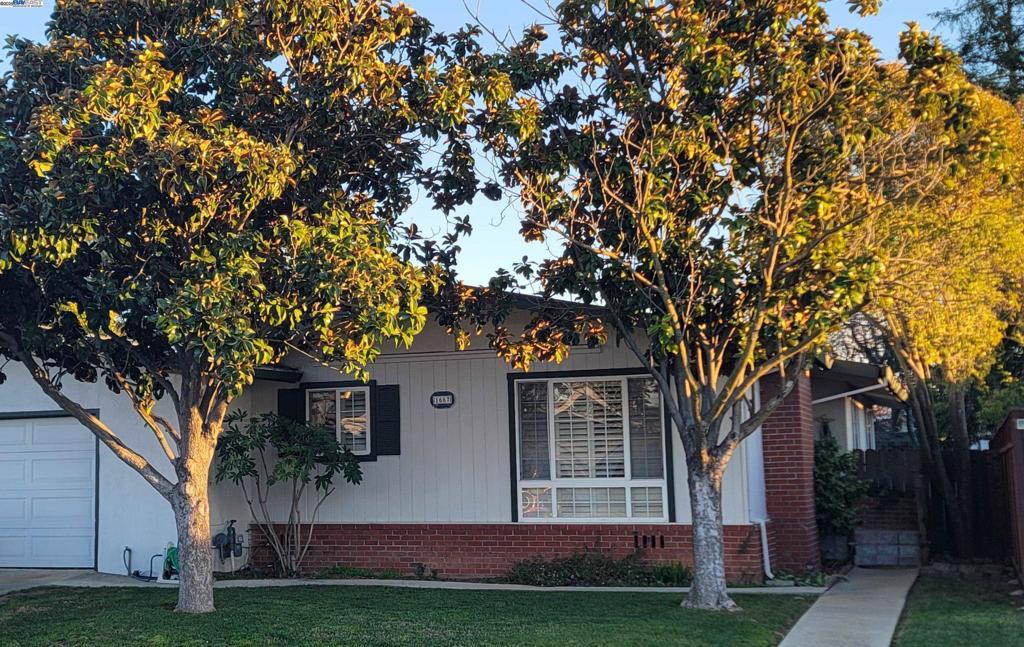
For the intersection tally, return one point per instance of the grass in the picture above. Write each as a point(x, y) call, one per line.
point(386, 616)
point(945, 610)
point(356, 573)
point(330, 573)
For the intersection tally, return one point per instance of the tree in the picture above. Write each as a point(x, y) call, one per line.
point(1003, 387)
point(991, 34)
point(695, 164)
point(954, 268)
point(263, 451)
point(191, 190)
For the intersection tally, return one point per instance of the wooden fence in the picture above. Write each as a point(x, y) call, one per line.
point(1007, 451)
point(892, 471)
point(997, 489)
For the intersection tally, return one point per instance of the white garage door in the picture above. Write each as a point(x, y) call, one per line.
point(47, 493)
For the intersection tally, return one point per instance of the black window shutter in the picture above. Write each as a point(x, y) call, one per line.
point(385, 430)
point(290, 404)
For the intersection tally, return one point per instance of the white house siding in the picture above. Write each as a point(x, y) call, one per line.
point(454, 463)
point(453, 467)
point(852, 423)
point(835, 412)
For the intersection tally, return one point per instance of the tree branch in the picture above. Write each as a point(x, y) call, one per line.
point(130, 457)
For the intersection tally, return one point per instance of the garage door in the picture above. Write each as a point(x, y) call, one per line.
point(47, 493)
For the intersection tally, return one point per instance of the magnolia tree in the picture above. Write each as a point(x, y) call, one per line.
point(696, 165)
point(189, 190)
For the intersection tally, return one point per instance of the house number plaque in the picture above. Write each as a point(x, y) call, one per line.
point(442, 399)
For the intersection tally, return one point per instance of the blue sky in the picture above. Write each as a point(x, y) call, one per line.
point(495, 241)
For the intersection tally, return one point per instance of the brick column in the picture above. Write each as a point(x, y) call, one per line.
point(788, 440)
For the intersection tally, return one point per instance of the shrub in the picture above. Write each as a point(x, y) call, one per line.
point(596, 568)
point(674, 574)
point(803, 578)
point(260, 452)
point(837, 488)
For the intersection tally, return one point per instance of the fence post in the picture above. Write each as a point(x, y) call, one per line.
point(922, 505)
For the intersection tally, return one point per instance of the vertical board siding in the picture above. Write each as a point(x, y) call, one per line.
point(454, 465)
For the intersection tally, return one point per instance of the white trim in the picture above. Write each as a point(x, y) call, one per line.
point(846, 394)
point(434, 355)
point(753, 448)
point(554, 482)
point(337, 413)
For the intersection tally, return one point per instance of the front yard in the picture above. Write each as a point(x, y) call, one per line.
point(960, 611)
point(387, 616)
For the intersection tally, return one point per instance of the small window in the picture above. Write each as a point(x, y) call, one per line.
point(347, 411)
point(647, 502)
point(589, 502)
point(535, 460)
point(537, 503)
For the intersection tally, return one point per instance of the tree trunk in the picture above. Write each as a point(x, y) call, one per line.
point(927, 432)
point(191, 504)
point(962, 459)
point(707, 591)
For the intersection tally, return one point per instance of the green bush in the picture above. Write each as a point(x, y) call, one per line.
point(260, 452)
point(674, 574)
point(837, 488)
point(803, 578)
point(596, 568)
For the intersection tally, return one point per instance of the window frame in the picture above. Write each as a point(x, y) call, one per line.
point(554, 482)
point(338, 390)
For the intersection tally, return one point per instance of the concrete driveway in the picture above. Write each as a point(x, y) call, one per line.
point(16, 579)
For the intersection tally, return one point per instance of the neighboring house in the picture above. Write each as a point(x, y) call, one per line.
point(845, 397)
point(468, 467)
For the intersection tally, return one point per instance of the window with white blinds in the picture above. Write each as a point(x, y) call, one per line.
point(590, 449)
point(589, 432)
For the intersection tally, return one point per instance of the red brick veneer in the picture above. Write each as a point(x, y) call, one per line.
point(897, 513)
point(488, 550)
point(788, 440)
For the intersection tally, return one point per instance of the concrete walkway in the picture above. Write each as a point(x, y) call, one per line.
point(17, 579)
point(859, 612)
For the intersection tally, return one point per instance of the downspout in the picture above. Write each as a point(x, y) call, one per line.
point(765, 557)
point(757, 504)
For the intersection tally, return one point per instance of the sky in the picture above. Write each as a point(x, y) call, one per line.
point(495, 242)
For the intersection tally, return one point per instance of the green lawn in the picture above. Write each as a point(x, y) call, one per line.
point(386, 616)
point(950, 611)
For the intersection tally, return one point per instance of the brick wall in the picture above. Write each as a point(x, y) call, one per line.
point(890, 513)
point(788, 440)
point(488, 550)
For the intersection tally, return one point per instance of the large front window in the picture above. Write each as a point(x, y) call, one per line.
point(590, 449)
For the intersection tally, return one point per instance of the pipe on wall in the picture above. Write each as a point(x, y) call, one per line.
point(765, 557)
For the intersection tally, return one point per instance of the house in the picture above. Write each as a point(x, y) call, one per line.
point(468, 466)
point(846, 394)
